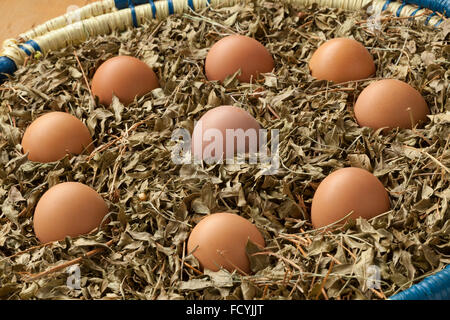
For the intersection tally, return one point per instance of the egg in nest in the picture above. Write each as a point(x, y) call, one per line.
point(125, 77)
point(341, 60)
point(54, 135)
point(237, 52)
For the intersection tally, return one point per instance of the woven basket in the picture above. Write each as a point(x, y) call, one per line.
point(107, 16)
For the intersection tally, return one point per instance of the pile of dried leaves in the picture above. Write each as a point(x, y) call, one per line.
point(155, 203)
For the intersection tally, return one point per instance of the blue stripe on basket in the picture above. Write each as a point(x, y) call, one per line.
point(442, 6)
point(191, 4)
point(386, 4)
point(28, 52)
point(121, 4)
point(170, 4)
point(415, 11)
point(33, 44)
point(434, 287)
point(429, 17)
point(7, 66)
point(399, 10)
point(133, 13)
point(438, 23)
point(152, 4)
point(139, 2)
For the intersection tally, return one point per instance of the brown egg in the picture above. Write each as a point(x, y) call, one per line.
point(340, 60)
point(235, 52)
point(346, 190)
point(219, 240)
point(54, 135)
point(209, 139)
point(390, 103)
point(68, 209)
point(127, 77)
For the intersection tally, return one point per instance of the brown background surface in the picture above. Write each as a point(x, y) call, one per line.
point(19, 16)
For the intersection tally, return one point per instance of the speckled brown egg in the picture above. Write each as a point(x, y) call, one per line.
point(68, 209)
point(390, 103)
point(346, 190)
point(124, 76)
point(235, 52)
point(210, 141)
point(219, 241)
point(340, 60)
point(54, 135)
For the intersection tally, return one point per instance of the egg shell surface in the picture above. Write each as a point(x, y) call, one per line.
point(341, 60)
point(212, 127)
point(54, 135)
point(390, 103)
point(346, 190)
point(68, 209)
point(235, 52)
point(124, 76)
point(220, 239)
